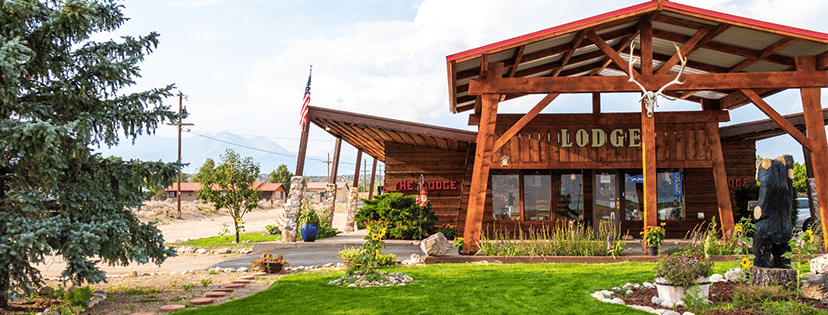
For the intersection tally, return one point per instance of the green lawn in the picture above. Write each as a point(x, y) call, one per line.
point(228, 241)
point(453, 289)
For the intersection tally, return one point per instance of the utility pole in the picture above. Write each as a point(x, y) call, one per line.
point(329, 167)
point(179, 124)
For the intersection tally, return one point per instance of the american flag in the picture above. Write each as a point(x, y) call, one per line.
point(305, 101)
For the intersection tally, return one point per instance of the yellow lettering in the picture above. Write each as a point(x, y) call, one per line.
point(599, 138)
point(617, 138)
point(635, 138)
point(565, 139)
point(582, 138)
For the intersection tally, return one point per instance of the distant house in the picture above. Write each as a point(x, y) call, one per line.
point(317, 191)
point(267, 191)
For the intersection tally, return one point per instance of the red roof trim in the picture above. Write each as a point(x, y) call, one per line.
point(555, 29)
point(744, 20)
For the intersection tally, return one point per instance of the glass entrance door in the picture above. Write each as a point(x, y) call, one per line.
point(606, 207)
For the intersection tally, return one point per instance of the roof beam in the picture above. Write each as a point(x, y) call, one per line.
point(579, 38)
point(822, 61)
point(609, 51)
point(778, 119)
point(770, 50)
point(523, 121)
point(725, 48)
point(693, 82)
point(686, 49)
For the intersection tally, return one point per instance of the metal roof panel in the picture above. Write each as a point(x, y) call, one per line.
point(803, 48)
point(547, 43)
point(742, 37)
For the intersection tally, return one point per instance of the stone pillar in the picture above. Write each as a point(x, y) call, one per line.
point(292, 208)
point(353, 197)
point(330, 202)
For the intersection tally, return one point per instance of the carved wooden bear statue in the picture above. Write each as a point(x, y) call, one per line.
point(773, 212)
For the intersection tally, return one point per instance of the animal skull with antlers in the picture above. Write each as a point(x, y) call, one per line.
point(649, 97)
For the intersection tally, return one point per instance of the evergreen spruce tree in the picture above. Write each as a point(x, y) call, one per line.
point(60, 95)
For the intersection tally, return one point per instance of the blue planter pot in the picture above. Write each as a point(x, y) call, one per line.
point(309, 231)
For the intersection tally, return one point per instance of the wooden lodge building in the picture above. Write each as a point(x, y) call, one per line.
point(633, 169)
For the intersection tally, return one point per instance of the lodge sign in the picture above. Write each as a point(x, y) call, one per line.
point(432, 185)
point(598, 138)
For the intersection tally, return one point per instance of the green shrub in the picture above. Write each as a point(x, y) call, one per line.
point(78, 296)
point(406, 220)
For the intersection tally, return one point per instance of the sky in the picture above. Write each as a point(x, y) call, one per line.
point(243, 64)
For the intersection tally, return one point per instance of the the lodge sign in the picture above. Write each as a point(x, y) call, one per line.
point(598, 138)
point(432, 185)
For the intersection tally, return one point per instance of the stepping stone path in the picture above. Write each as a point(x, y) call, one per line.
point(202, 301)
point(171, 307)
point(144, 313)
point(215, 294)
point(208, 297)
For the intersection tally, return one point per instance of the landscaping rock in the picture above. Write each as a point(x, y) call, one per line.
point(45, 291)
point(656, 300)
point(648, 285)
point(617, 301)
point(243, 269)
point(215, 294)
point(819, 265)
point(201, 251)
point(598, 295)
point(628, 286)
point(229, 270)
point(436, 245)
point(733, 274)
point(201, 301)
point(815, 287)
point(716, 278)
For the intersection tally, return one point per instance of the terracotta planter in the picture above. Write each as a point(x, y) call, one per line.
point(674, 293)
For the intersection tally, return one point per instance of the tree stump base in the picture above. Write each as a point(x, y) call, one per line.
point(779, 276)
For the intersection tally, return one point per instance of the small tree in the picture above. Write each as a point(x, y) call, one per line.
point(281, 175)
point(205, 170)
point(231, 185)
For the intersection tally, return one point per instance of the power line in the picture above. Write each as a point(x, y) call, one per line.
point(257, 149)
point(268, 137)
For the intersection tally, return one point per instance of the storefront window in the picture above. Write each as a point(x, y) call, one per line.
point(505, 194)
point(670, 194)
point(570, 197)
point(633, 196)
point(537, 194)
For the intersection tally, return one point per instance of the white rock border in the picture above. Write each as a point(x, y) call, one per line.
point(606, 295)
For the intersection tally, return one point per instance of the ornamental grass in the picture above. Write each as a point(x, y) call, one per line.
point(571, 238)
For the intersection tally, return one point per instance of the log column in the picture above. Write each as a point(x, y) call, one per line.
point(648, 142)
point(482, 161)
point(720, 179)
point(812, 109)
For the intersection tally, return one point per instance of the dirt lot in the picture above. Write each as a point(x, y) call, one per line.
point(144, 288)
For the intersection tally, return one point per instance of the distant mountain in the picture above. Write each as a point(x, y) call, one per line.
point(195, 150)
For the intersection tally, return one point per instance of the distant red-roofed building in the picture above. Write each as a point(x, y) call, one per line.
point(267, 191)
point(317, 191)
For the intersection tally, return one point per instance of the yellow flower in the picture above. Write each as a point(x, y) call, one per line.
point(369, 229)
point(238, 220)
point(374, 237)
point(745, 263)
point(738, 228)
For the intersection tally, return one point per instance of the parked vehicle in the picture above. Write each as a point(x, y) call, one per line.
point(803, 217)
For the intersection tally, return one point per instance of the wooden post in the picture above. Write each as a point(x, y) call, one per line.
point(648, 161)
point(596, 103)
point(648, 142)
point(482, 161)
point(373, 175)
point(356, 170)
point(303, 148)
point(812, 110)
point(335, 168)
point(720, 179)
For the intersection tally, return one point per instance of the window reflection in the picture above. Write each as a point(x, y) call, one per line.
point(570, 199)
point(505, 194)
point(537, 193)
point(670, 195)
point(633, 196)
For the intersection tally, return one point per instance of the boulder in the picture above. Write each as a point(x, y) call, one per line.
point(815, 287)
point(733, 274)
point(436, 245)
point(819, 265)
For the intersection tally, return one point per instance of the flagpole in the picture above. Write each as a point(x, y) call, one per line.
point(304, 121)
